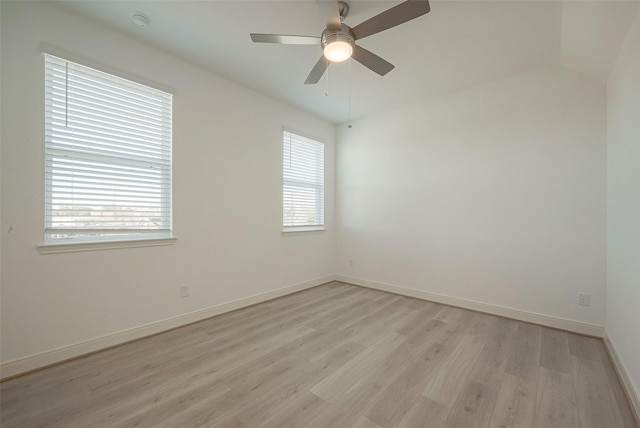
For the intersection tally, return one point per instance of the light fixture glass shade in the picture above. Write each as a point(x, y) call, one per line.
point(338, 51)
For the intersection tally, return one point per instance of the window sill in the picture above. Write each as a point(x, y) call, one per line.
point(71, 247)
point(296, 232)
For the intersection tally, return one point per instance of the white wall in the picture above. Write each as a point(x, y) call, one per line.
point(227, 197)
point(494, 194)
point(623, 203)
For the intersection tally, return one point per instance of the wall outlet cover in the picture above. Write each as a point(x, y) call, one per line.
point(584, 299)
point(184, 290)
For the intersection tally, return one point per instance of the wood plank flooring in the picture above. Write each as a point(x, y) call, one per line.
point(336, 355)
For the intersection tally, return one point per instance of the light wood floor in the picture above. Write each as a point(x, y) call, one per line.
point(333, 356)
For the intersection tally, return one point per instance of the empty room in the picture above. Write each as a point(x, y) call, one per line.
point(366, 214)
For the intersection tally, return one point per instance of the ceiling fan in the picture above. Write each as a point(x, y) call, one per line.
point(338, 40)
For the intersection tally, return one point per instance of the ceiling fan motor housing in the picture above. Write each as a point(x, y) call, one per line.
point(341, 35)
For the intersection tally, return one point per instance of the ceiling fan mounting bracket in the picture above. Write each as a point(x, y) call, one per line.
point(343, 7)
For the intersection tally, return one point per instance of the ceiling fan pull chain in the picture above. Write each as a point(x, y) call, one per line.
point(349, 94)
point(326, 94)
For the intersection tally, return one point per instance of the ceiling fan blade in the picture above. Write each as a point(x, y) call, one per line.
point(371, 60)
point(397, 15)
point(317, 71)
point(330, 13)
point(285, 39)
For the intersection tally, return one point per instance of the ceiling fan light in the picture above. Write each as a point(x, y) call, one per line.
point(338, 51)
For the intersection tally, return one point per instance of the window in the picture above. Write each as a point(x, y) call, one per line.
point(302, 183)
point(107, 156)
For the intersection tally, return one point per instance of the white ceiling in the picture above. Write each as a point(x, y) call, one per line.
point(459, 44)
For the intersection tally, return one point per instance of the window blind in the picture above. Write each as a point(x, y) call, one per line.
point(107, 155)
point(303, 183)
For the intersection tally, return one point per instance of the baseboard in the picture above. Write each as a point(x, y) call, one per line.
point(517, 314)
point(632, 395)
point(56, 356)
point(35, 362)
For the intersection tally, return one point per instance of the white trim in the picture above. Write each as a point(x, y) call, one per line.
point(34, 362)
point(632, 395)
point(303, 231)
point(71, 247)
point(517, 314)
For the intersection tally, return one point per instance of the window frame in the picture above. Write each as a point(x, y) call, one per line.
point(318, 227)
point(90, 238)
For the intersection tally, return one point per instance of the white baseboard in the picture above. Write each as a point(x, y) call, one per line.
point(623, 374)
point(55, 356)
point(517, 314)
point(38, 361)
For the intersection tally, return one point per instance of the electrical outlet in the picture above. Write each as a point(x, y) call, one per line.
point(350, 262)
point(184, 290)
point(584, 299)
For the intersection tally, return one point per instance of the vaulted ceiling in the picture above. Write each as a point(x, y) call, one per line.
point(459, 44)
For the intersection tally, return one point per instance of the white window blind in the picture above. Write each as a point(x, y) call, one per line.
point(107, 156)
point(303, 183)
